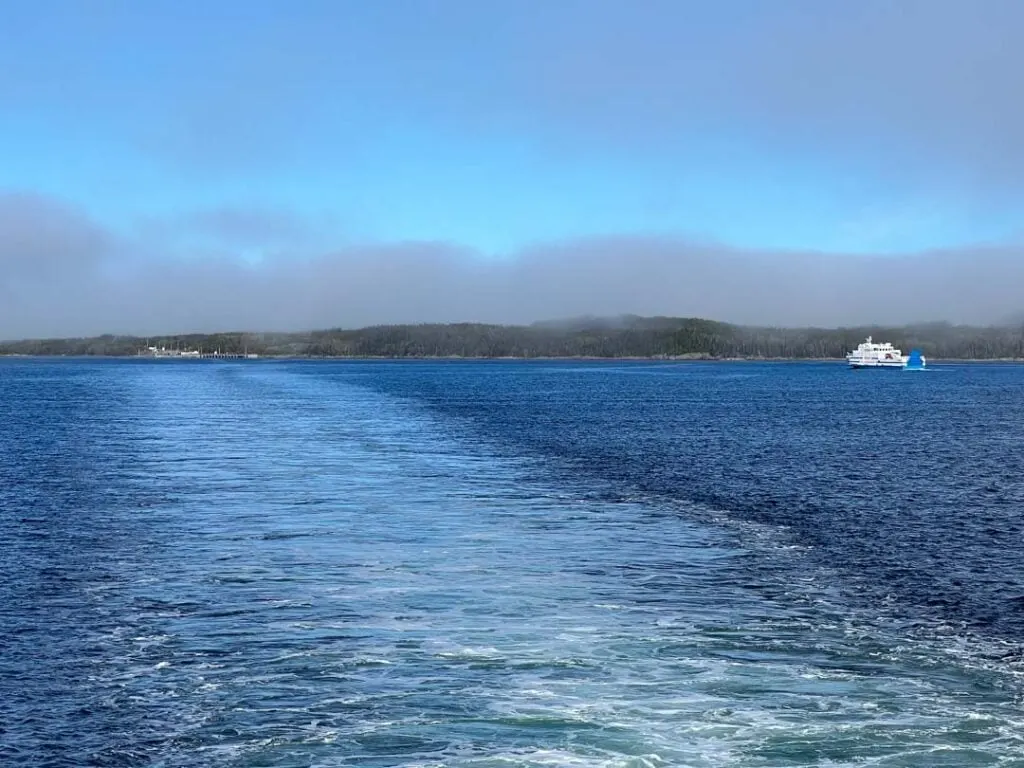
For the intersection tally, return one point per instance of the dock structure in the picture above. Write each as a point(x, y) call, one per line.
point(195, 354)
point(227, 355)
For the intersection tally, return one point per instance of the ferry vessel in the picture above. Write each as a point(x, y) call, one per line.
point(871, 354)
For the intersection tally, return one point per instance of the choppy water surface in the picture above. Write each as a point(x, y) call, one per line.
point(499, 564)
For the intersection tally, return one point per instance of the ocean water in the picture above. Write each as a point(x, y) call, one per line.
point(510, 564)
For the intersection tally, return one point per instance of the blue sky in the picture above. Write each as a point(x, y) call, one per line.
point(338, 137)
point(469, 122)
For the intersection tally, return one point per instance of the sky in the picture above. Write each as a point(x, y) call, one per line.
point(271, 165)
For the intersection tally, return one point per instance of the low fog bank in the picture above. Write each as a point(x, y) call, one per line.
point(61, 274)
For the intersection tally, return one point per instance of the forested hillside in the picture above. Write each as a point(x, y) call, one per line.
point(587, 337)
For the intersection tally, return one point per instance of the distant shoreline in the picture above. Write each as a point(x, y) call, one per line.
point(670, 339)
point(505, 358)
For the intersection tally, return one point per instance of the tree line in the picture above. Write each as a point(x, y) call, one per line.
point(659, 337)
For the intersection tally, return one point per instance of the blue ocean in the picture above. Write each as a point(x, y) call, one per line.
point(501, 564)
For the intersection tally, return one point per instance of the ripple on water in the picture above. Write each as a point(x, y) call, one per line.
point(296, 570)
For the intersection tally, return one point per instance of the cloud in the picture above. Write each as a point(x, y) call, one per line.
point(43, 242)
point(61, 274)
point(246, 227)
point(921, 87)
point(924, 90)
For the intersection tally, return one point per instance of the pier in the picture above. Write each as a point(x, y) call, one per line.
point(195, 354)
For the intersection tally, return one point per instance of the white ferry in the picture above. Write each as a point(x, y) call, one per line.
point(870, 354)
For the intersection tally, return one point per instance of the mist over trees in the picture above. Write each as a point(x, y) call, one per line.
point(622, 337)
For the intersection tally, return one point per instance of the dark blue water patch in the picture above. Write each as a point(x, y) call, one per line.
point(71, 539)
point(912, 485)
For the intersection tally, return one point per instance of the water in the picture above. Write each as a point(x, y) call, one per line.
point(509, 564)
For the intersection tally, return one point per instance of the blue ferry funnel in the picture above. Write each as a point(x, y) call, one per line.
point(916, 361)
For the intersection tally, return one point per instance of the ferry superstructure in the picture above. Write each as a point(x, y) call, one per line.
point(871, 354)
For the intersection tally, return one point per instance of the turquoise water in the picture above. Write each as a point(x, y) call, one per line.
point(480, 564)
